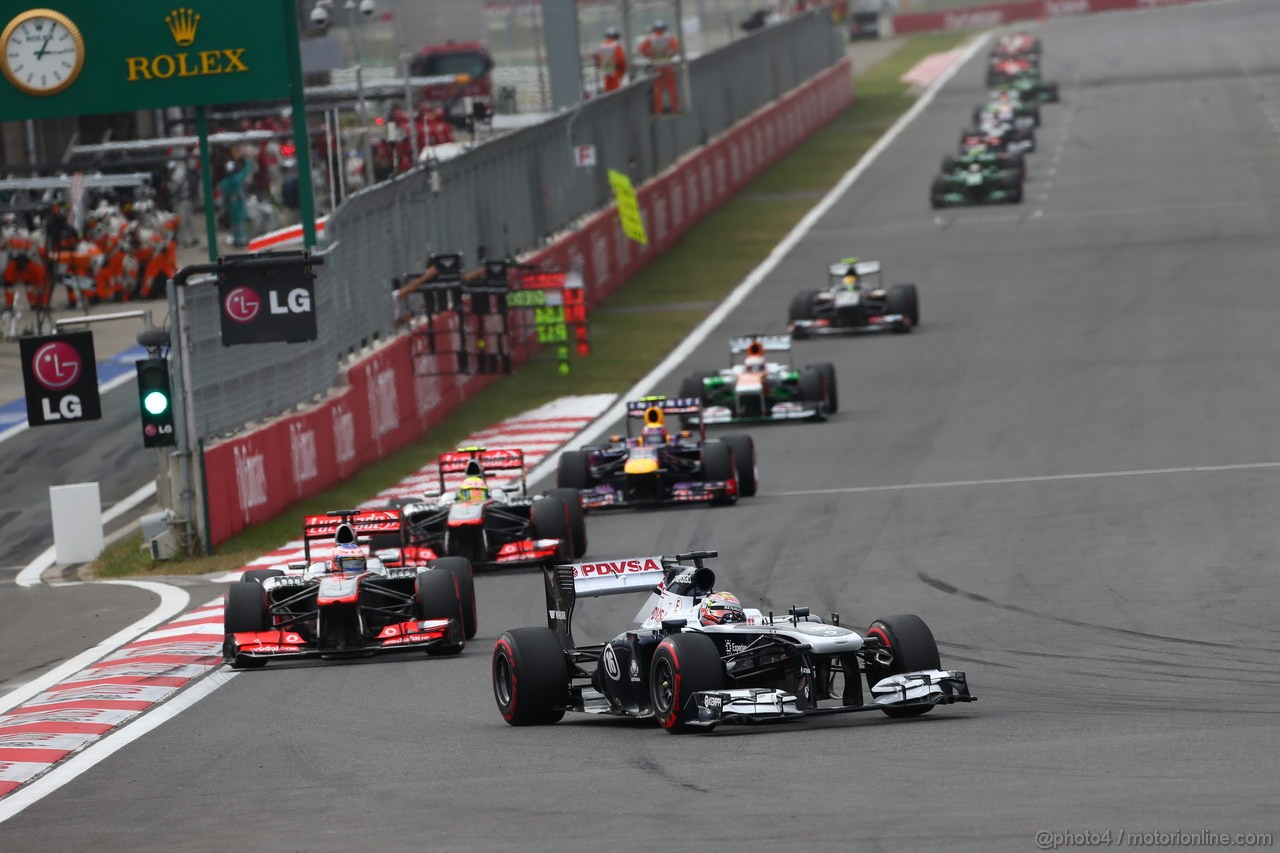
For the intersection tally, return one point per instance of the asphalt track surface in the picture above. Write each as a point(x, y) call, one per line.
point(1119, 630)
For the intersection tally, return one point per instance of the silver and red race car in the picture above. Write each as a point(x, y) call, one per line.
point(693, 674)
point(348, 604)
point(489, 520)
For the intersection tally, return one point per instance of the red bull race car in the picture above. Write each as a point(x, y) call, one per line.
point(697, 658)
point(658, 467)
point(348, 603)
point(758, 390)
point(489, 520)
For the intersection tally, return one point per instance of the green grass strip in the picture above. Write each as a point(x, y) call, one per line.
point(634, 329)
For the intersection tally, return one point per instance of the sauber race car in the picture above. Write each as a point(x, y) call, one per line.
point(348, 604)
point(760, 390)
point(491, 524)
point(698, 658)
point(856, 300)
point(656, 467)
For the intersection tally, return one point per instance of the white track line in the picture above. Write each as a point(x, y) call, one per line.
point(109, 385)
point(30, 575)
point(753, 280)
point(1048, 478)
point(72, 767)
point(172, 601)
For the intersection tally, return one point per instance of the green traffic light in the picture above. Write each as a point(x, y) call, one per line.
point(156, 402)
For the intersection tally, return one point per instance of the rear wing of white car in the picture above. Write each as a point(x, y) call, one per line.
point(568, 582)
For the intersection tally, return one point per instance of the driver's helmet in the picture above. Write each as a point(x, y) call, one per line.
point(659, 26)
point(975, 167)
point(850, 280)
point(473, 490)
point(612, 33)
point(653, 434)
point(754, 364)
point(720, 608)
point(348, 558)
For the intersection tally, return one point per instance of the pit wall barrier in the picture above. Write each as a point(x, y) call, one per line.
point(387, 404)
point(981, 17)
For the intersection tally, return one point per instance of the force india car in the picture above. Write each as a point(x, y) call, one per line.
point(657, 468)
point(691, 676)
point(317, 609)
point(856, 300)
point(976, 184)
point(488, 523)
point(760, 390)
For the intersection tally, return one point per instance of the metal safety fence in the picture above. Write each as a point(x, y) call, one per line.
point(502, 198)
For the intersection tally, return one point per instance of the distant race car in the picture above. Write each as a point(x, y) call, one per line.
point(856, 300)
point(1004, 109)
point(348, 604)
point(656, 467)
point(1002, 69)
point(1014, 162)
point(760, 390)
point(491, 525)
point(976, 184)
point(1017, 44)
point(998, 138)
point(698, 658)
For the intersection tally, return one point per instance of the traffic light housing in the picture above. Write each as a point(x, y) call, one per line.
point(155, 403)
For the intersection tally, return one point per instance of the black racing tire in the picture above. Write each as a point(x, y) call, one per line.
point(717, 465)
point(259, 575)
point(577, 520)
point(551, 521)
point(683, 664)
point(899, 301)
point(437, 597)
point(802, 306)
point(1015, 193)
point(691, 386)
point(245, 609)
point(573, 471)
point(828, 371)
point(465, 583)
point(914, 649)
point(744, 463)
point(1018, 162)
point(1034, 110)
point(948, 164)
point(812, 389)
point(938, 192)
point(1051, 92)
point(530, 677)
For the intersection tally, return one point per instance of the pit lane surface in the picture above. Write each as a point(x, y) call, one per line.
point(1119, 629)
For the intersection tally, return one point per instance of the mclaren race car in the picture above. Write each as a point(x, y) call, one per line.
point(976, 184)
point(657, 467)
point(856, 300)
point(348, 604)
point(756, 389)
point(698, 658)
point(488, 522)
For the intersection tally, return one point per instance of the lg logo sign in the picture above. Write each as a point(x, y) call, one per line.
point(243, 304)
point(61, 379)
point(267, 305)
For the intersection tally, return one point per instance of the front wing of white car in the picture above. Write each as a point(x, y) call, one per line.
point(754, 705)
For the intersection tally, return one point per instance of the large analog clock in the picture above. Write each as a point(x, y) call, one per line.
point(43, 52)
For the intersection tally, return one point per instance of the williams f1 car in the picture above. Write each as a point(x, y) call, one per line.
point(656, 467)
point(349, 604)
point(693, 674)
point(856, 300)
point(488, 523)
point(760, 390)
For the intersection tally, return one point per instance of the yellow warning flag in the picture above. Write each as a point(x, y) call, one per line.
point(628, 207)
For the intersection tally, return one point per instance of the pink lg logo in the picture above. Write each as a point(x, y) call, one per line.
point(242, 305)
point(56, 366)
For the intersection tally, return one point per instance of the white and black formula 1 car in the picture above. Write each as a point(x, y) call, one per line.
point(693, 676)
point(856, 300)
